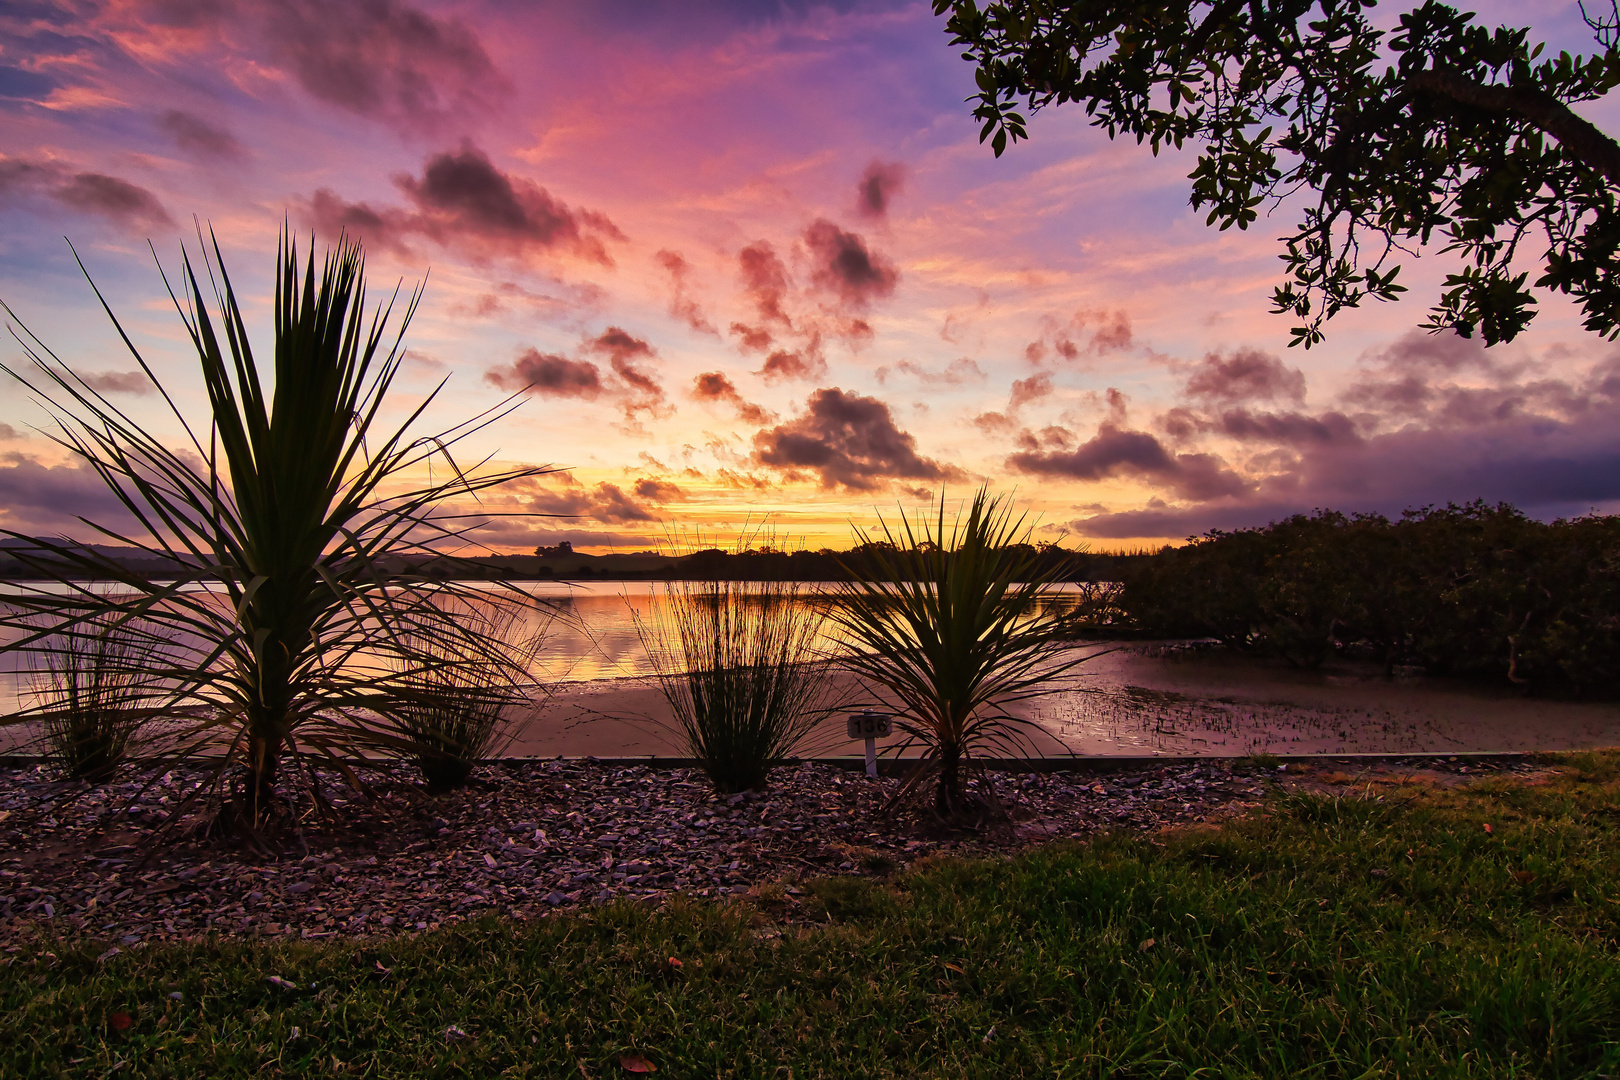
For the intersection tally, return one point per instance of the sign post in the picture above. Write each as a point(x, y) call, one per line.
point(870, 726)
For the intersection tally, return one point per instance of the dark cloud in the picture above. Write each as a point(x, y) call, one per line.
point(714, 386)
point(1291, 428)
point(957, 373)
point(1024, 391)
point(786, 364)
point(765, 282)
point(659, 491)
point(383, 59)
point(1159, 519)
point(7, 433)
point(627, 354)
point(845, 266)
point(1245, 375)
point(994, 423)
point(1116, 451)
point(463, 200)
point(548, 375)
point(1432, 353)
point(36, 498)
point(118, 382)
point(681, 305)
point(197, 136)
point(19, 174)
point(848, 441)
point(754, 338)
point(1089, 332)
point(118, 199)
point(1547, 467)
point(878, 185)
point(131, 205)
point(605, 502)
point(565, 303)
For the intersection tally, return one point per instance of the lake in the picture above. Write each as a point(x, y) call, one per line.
point(1139, 698)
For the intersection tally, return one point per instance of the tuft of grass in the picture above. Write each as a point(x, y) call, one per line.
point(94, 692)
point(1322, 937)
point(453, 705)
point(741, 667)
point(1264, 761)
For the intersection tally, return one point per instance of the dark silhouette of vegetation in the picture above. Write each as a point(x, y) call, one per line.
point(94, 691)
point(282, 525)
point(948, 621)
point(743, 673)
point(1436, 130)
point(1476, 590)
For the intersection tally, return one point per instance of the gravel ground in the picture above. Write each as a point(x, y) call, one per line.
point(531, 838)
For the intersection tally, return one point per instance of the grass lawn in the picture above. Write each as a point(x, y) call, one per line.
point(1402, 931)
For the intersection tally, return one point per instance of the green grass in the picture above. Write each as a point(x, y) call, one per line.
point(1380, 935)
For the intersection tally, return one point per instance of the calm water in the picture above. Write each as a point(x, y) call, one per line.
point(590, 630)
point(1132, 700)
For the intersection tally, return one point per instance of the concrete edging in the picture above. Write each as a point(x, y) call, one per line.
point(893, 766)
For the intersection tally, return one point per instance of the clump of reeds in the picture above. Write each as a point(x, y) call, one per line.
point(743, 671)
point(93, 688)
point(455, 693)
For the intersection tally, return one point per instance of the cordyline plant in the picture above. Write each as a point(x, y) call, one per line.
point(956, 624)
point(287, 612)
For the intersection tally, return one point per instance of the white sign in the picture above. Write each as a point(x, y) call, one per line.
point(870, 725)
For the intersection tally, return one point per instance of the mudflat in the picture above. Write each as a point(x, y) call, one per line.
point(1149, 699)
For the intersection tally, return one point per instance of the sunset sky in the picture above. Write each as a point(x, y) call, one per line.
point(747, 262)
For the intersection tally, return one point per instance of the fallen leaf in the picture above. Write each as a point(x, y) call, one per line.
point(675, 963)
point(1488, 828)
point(278, 981)
point(637, 1064)
point(1146, 945)
point(108, 955)
point(956, 969)
point(454, 1033)
point(121, 1021)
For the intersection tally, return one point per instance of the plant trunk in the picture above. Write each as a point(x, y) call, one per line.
point(948, 798)
point(264, 755)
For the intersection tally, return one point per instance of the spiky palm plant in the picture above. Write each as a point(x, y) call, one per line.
point(285, 519)
point(950, 621)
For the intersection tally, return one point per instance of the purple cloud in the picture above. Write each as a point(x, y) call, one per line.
point(847, 441)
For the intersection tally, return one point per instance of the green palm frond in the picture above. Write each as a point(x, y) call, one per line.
point(952, 620)
point(285, 520)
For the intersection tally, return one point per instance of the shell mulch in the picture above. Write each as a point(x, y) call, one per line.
point(529, 838)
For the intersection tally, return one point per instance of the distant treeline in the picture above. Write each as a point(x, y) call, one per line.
point(1474, 590)
point(828, 565)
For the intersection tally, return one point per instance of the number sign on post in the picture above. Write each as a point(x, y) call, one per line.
point(870, 726)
